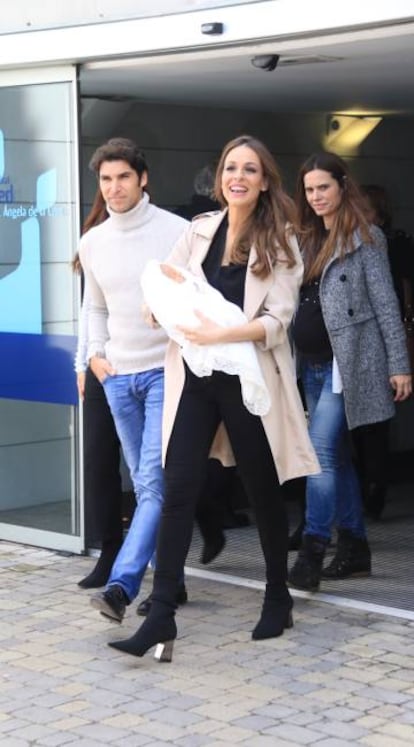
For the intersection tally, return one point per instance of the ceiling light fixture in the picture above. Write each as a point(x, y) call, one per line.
point(346, 132)
point(265, 61)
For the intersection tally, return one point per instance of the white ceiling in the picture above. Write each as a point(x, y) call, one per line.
point(369, 71)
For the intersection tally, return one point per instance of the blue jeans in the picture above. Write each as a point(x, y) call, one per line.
point(136, 402)
point(333, 494)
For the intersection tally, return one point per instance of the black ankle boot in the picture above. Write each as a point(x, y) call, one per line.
point(100, 574)
point(276, 614)
point(352, 557)
point(306, 571)
point(158, 628)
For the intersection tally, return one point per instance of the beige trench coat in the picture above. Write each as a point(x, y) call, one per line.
point(273, 301)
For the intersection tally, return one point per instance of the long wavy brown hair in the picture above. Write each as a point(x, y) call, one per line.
point(317, 246)
point(273, 218)
point(97, 214)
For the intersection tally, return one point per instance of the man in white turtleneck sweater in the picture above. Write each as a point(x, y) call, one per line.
point(124, 353)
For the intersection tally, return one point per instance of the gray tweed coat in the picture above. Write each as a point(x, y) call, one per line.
point(362, 316)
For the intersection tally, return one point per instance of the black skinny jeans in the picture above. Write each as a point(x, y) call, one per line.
point(372, 455)
point(102, 483)
point(205, 402)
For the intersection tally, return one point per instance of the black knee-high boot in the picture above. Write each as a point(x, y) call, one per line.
point(103, 483)
point(99, 575)
point(276, 614)
point(159, 627)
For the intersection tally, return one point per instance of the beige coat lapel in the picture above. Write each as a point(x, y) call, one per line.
point(255, 289)
point(204, 230)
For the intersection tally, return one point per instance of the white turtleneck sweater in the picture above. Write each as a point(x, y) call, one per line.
point(113, 256)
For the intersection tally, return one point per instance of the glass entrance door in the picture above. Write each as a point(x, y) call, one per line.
point(40, 499)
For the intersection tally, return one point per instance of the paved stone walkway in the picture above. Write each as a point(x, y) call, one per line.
point(339, 677)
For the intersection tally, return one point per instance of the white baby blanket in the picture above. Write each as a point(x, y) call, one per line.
point(173, 303)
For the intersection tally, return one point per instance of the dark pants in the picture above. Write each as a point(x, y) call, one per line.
point(103, 487)
point(372, 456)
point(204, 403)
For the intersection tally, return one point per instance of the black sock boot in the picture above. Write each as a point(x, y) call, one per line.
point(276, 614)
point(158, 628)
point(100, 574)
point(173, 541)
point(212, 547)
point(307, 569)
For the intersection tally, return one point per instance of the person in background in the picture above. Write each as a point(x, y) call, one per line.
point(101, 448)
point(352, 359)
point(202, 200)
point(371, 442)
point(400, 244)
point(125, 355)
point(249, 252)
point(401, 256)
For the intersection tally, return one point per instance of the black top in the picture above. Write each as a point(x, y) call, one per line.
point(308, 328)
point(401, 257)
point(228, 279)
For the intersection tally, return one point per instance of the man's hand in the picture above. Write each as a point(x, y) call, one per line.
point(101, 368)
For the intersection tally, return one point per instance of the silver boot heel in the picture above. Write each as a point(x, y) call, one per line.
point(164, 651)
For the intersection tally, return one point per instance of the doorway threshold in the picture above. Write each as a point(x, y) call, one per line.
point(355, 604)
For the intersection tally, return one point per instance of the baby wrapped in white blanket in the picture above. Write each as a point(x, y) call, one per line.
point(173, 298)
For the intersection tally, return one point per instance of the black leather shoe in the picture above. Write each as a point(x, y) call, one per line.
point(111, 603)
point(144, 607)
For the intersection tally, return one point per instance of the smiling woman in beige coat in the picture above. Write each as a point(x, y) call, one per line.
point(250, 254)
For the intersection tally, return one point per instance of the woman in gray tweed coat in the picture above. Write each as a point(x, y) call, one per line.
point(352, 358)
